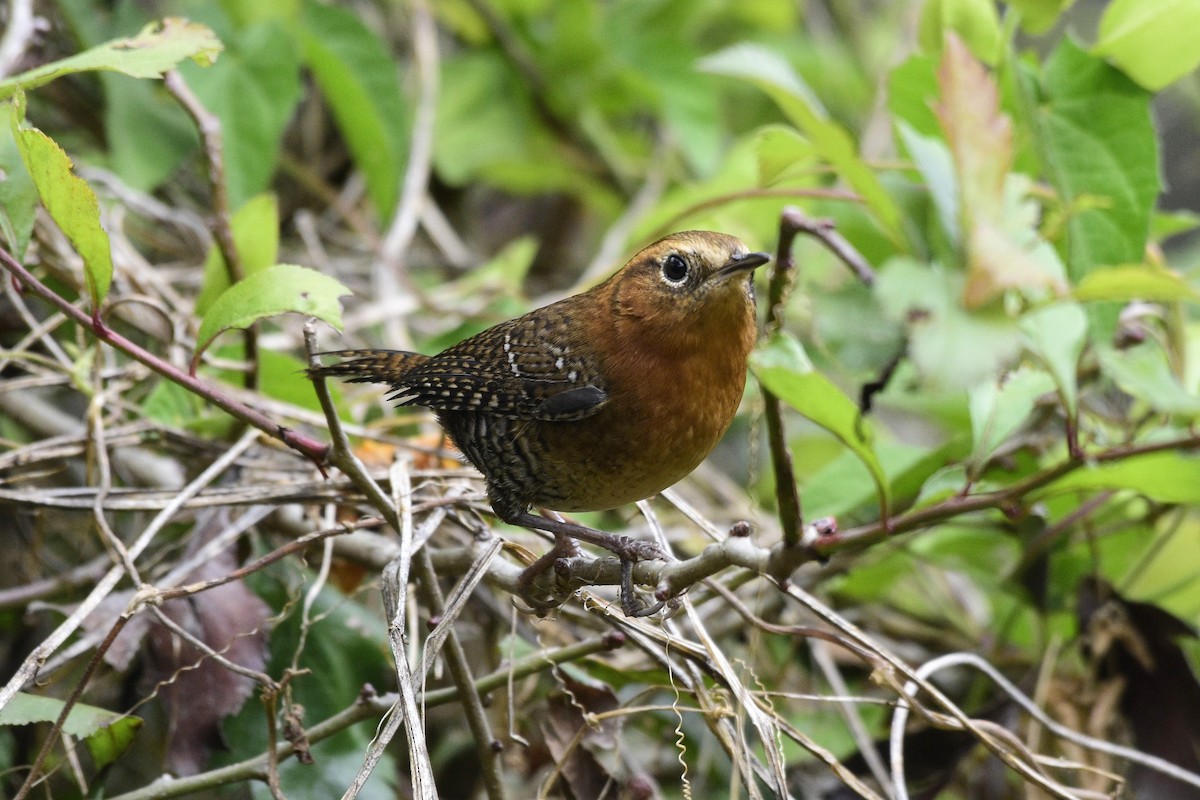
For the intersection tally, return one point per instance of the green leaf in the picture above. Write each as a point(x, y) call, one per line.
point(159, 47)
point(1135, 282)
point(1143, 372)
point(844, 484)
point(976, 22)
point(948, 345)
point(359, 81)
point(1172, 223)
point(932, 160)
point(998, 411)
point(277, 290)
point(1056, 334)
point(782, 154)
point(18, 195)
point(1166, 477)
point(1093, 130)
point(253, 91)
point(783, 368)
point(773, 75)
point(944, 483)
point(1039, 16)
point(73, 205)
point(911, 87)
point(1153, 42)
point(255, 229)
point(106, 733)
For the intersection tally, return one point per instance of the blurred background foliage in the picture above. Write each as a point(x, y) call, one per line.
point(1027, 198)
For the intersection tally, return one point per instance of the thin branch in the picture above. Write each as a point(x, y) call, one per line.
point(209, 125)
point(787, 497)
point(368, 707)
point(17, 35)
point(34, 661)
point(342, 457)
point(970, 659)
point(306, 446)
point(420, 155)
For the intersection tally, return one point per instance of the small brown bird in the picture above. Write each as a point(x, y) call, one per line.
point(598, 400)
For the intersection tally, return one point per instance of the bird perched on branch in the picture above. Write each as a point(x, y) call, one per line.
point(598, 400)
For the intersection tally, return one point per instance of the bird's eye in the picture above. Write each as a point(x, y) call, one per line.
point(674, 268)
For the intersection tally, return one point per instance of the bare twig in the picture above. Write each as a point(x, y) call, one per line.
point(32, 663)
point(368, 707)
point(302, 444)
point(970, 659)
point(343, 458)
point(209, 126)
point(420, 156)
point(17, 35)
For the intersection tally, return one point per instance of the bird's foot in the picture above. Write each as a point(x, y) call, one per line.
point(627, 549)
point(631, 602)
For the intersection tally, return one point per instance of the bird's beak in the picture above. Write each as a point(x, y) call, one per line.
point(746, 263)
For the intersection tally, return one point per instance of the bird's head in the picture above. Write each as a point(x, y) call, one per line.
point(689, 284)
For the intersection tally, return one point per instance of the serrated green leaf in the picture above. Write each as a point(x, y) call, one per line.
point(358, 79)
point(999, 410)
point(948, 345)
point(784, 369)
point(277, 290)
point(1056, 334)
point(1166, 477)
point(157, 48)
point(1153, 42)
point(1135, 282)
point(255, 229)
point(107, 734)
point(72, 204)
point(1093, 129)
point(768, 71)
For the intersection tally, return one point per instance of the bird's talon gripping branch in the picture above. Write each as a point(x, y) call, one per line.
point(632, 603)
point(599, 400)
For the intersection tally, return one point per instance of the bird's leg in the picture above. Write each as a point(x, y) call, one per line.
point(564, 547)
point(631, 603)
point(626, 548)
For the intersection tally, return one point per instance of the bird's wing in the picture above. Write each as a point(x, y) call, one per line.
point(523, 369)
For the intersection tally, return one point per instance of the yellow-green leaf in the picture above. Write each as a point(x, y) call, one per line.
point(157, 48)
point(273, 291)
point(72, 204)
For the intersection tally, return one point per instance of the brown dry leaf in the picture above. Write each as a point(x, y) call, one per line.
point(198, 691)
point(589, 765)
point(1137, 643)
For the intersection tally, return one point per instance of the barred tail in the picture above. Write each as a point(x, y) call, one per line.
point(369, 366)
